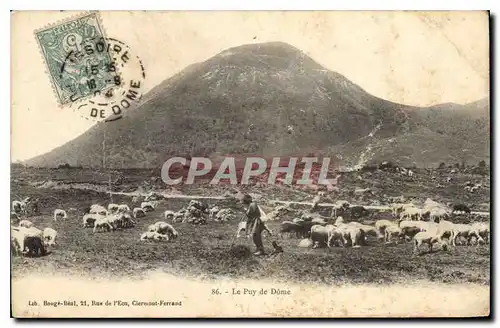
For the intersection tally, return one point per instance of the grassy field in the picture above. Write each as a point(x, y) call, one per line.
point(210, 250)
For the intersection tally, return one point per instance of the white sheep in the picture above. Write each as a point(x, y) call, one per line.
point(21, 206)
point(225, 214)
point(102, 223)
point(391, 231)
point(411, 228)
point(472, 189)
point(25, 223)
point(438, 213)
point(466, 231)
point(179, 216)
point(334, 236)
point(428, 226)
point(196, 203)
point(213, 212)
point(17, 238)
point(89, 219)
point(338, 221)
point(194, 211)
point(408, 223)
point(49, 236)
point(153, 196)
point(139, 212)
point(412, 213)
point(98, 209)
point(115, 220)
point(483, 229)
point(381, 225)
point(397, 208)
point(340, 204)
point(169, 215)
point(153, 236)
point(112, 208)
point(351, 234)
point(159, 236)
point(147, 206)
point(123, 208)
point(444, 229)
point(31, 231)
point(166, 229)
point(147, 235)
point(120, 220)
point(152, 227)
point(17, 206)
point(58, 213)
point(427, 237)
point(127, 221)
point(19, 235)
point(368, 230)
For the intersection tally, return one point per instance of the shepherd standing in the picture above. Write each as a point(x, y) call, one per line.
point(254, 223)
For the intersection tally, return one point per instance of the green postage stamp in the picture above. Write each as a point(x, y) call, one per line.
point(77, 58)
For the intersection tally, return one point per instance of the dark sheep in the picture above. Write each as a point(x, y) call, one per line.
point(359, 211)
point(35, 246)
point(89, 223)
point(305, 228)
point(298, 229)
point(410, 231)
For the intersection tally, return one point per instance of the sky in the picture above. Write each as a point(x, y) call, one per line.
point(413, 58)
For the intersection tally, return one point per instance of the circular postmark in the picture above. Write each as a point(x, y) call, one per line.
point(102, 75)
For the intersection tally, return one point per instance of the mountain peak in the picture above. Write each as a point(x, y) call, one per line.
point(275, 48)
point(264, 99)
point(278, 55)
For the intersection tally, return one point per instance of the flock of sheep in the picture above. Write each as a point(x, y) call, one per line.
point(428, 224)
point(29, 240)
point(424, 225)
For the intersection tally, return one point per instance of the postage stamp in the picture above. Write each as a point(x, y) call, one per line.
point(126, 90)
point(77, 59)
point(97, 76)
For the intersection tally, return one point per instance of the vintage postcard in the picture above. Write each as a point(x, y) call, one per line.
point(250, 164)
